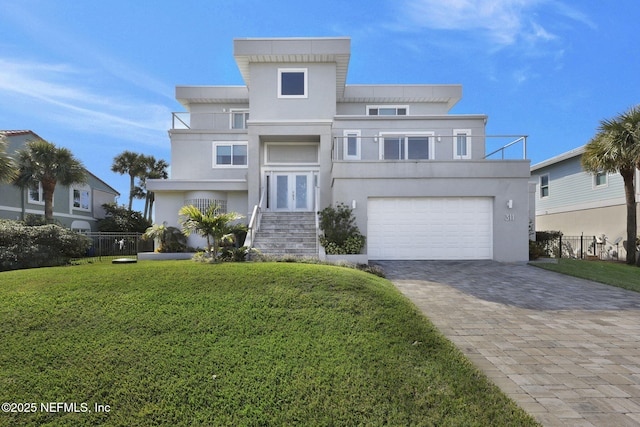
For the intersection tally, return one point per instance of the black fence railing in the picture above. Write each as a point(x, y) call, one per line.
point(580, 247)
point(115, 245)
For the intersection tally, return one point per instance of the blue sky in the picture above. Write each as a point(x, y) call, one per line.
point(99, 77)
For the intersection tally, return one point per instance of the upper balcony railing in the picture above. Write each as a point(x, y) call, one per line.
point(428, 146)
point(231, 120)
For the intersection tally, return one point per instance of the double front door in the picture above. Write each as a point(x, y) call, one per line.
point(291, 191)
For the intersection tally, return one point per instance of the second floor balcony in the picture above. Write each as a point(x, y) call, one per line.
point(427, 145)
point(227, 120)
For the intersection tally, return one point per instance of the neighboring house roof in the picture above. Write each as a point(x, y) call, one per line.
point(10, 133)
point(18, 132)
point(559, 158)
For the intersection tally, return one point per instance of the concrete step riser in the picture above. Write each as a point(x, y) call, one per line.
point(287, 234)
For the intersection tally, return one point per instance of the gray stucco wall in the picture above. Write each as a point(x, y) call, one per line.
point(502, 181)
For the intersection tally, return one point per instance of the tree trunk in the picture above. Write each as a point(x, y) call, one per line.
point(132, 187)
point(630, 195)
point(48, 188)
point(152, 198)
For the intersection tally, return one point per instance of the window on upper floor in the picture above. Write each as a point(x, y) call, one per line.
point(292, 83)
point(35, 195)
point(239, 119)
point(407, 147)
point(229, 154)
point(461, 143)
point(387, 110)
point(351, 143)
point(600, 180)
point(544, 186)
point(82, 199)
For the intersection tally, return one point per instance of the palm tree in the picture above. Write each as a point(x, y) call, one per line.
point(7, 165)
point(132, 164)
point(155, 169)
point(42, 163)
point(616, 148)
point(214, 227)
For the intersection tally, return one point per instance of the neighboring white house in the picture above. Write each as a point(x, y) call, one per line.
point(576, 202)
point(296, 137)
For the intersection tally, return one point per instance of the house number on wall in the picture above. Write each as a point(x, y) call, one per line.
point(510, 217)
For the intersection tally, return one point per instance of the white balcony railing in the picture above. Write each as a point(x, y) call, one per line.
point(428, 146)
point(231, 120)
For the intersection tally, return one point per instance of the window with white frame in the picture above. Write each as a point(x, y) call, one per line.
point(292, 83)
point(407, 147)
point(600, 179)
point(387, 110)
point(35, 194)
point(461, 143)
point(81, 198)
point(544, 186)
point(239, 119)
point(351, 143)
point(229, 154)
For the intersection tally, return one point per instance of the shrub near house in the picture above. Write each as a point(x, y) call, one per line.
point(341, 235)
point(22, 246)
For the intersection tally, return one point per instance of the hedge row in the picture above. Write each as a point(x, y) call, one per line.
point(23, 246)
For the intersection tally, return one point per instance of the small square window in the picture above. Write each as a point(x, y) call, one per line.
point(292, 83)
point(600, 179)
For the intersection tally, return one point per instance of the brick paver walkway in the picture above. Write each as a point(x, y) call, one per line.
point(566, 350)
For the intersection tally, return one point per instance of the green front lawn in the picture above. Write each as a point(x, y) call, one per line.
point(607, 272)
point(180, 343)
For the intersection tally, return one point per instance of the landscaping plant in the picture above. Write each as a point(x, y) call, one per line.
point(340, 233)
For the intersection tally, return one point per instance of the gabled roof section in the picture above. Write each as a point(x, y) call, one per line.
point(322, 49)
point(559, 158)
point(9, 133)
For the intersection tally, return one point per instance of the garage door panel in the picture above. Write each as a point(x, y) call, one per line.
point(430, 228)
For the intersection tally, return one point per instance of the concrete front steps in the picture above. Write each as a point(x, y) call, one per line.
point(287, 233)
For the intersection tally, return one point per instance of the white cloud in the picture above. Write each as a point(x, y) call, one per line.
point(500, 22)
point(54, 90)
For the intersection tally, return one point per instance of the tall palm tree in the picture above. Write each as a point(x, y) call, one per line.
point(43, 163)
point(616, 148)
point(7, 165)
point(132, 164)
point(214, 227)
point(155, 169)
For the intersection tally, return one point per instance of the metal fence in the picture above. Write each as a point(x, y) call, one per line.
point(114, 245)
point(580, 247)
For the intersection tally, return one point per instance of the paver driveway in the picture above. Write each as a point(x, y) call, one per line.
point(567, 350)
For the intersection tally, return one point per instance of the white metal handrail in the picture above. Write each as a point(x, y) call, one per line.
point(254, 223)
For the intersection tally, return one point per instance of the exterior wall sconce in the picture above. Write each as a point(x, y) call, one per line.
point(510, 204)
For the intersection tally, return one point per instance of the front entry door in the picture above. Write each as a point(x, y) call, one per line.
point(292, 191)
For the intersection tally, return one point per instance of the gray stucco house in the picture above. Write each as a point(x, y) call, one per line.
point(297, 138)
point(575, 202)
point(77, 207)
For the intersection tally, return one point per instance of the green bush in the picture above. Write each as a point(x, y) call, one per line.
point(23, 246)
point(341, 234)
point(547, 244)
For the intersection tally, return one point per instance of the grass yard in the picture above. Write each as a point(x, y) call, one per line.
point(184, 344)
point(611, 273)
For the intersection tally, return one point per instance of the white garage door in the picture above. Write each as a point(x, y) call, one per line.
point(430, 228)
